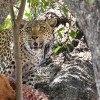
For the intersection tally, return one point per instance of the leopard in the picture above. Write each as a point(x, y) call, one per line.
point(36, 40)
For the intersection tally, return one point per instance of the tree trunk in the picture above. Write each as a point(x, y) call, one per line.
point(88, 17)
point(15, 27)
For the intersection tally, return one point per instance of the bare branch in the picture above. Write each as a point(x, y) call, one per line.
point(21, 10)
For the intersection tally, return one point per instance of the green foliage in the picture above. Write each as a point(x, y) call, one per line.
point(59, 32)
point(91, 1)
point(57, 48)
point(72, 33)
point(7, 24)
point(64, 11)
point(32, 2)
point(27, 15)
point(38, 6)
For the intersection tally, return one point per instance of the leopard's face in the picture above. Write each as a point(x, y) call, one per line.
point(40, 33)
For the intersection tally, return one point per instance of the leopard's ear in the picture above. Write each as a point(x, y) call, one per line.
point(52, 22)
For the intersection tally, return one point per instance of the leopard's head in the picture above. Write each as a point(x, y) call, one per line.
point(38, 38)
point(40, 32)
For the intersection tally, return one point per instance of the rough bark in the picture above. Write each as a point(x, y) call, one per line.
point(88, 17)
point(71, 80)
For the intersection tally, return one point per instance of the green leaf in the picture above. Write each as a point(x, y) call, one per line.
point(42, 9)
point(44, 1)
point(61, 29)
point(7, 24)
point(91, 1)
point(33, 1)
point(64, 10)
point(59, 32)
point(27, 15)
point(35, 12)
point(60, 35)
point(51, 4)
point(72, 33)
point(42, 6)
point(57, 49)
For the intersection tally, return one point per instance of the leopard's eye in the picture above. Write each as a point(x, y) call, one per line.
point(28, 29)
point(42, 28)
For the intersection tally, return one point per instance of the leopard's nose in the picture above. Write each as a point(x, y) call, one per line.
point(35, 44)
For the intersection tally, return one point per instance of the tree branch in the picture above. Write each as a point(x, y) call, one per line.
point(88, 17)
point(21, 10)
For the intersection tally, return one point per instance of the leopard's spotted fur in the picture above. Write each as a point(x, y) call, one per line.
point(36, 41)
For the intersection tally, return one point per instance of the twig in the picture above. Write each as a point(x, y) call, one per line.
point(21, 10)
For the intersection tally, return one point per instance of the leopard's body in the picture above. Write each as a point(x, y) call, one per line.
point(36, 41)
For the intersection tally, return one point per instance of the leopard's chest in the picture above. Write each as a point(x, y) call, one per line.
point(34, 57)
